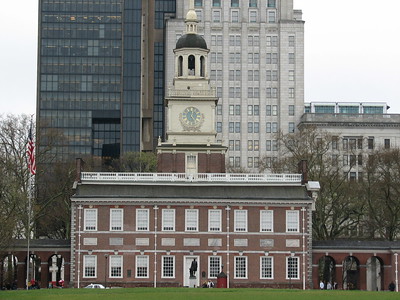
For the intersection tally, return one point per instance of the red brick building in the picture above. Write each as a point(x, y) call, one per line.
point(146, 229)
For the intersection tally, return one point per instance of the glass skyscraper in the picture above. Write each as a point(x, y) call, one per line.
point(101, 75)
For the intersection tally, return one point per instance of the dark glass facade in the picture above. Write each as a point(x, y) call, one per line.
point(90, 74)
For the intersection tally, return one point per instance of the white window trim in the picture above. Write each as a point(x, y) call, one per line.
point(298, 267)
point(95, 266)
point(294, 212)
point(147, 265)
point(219, 221)
point(209, 265)
point(235, 220)
point(197, 220)
point(85, 218)
point(271, 212)
point(163, 219)
point(247, 268)
point(111, 257)
point(137, 219)
point(122, 219)
point(162, 267)
point(272, 267)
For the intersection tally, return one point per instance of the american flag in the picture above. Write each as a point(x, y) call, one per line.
point(31, 153)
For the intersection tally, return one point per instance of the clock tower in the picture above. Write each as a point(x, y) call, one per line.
point(190, 145)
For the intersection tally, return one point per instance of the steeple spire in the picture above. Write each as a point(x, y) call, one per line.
point(191, 19)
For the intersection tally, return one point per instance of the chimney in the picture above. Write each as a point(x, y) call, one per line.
point(79, 169)
point(302, 169)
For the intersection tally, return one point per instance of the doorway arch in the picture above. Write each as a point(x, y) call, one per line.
point(8, 272)
point(374, 274)
point(351, 273)
point(56, 270)
point(326, 270)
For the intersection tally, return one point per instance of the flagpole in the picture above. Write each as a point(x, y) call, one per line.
point(32, 172)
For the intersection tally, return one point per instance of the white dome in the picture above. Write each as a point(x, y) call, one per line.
point(191, 15)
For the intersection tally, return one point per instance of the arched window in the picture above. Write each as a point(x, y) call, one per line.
point(202, 67)
point(180, 66)
point(192, 65)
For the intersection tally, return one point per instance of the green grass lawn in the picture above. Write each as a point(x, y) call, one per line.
point(192, 294)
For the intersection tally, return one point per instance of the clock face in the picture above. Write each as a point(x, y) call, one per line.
point(191, 116)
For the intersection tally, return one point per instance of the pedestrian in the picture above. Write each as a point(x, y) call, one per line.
point(321, 285)
point(392, 286)
point(329, 286)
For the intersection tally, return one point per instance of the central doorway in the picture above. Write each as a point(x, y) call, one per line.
point(187, 262)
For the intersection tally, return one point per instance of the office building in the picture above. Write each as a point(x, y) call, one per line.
point(101, 75)
point(256, 64)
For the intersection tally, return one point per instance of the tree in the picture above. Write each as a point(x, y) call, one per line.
point(382, 193)
point(14, 183)
point(338, 207)
point(142, 162)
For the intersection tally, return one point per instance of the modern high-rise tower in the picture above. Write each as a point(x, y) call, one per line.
point(256, 64)
point(101, 75)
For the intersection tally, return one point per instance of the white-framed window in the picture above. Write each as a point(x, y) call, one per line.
point(116, 219)
point(90, 219)
point(292, 221)
point(252, 3)
point(216, 16)
point(291, 75)
point(191, 219)
point(89, 266)
point(291, 127)
point(199, 13)
point(240, 267)
point(234, 16)
point(214, 266)
point(267, 219)
point(271, 16)
point(266, 267)
point(168, 220)
point(271, 3)
point(142, 219)
point(240, 220)
point(168, 266)
point(214, 219)
point(291, 110)
point(253, 16)
point(191, 164)
point(291, 58)
point(116, 266)
point(142, 266)
point(292, 41)
point(292, 267)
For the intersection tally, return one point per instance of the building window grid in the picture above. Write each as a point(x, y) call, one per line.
point(240, 221)
point(214, 266)
point(115, 266)
point(168, 219)
point(168, 267)
point(266, 266)
point(90, 217)
point(142, 219)
point(214, 220)
point(90, 266)
point(240, 267)
point(266, 221)
point(191, 219)
point(142, 266)
point(292, 268)
point(116, 219)
point(292, 221)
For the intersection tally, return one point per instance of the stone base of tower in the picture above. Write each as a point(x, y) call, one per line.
point(191, 159)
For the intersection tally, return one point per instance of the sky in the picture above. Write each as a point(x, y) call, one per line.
point(352, 52)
